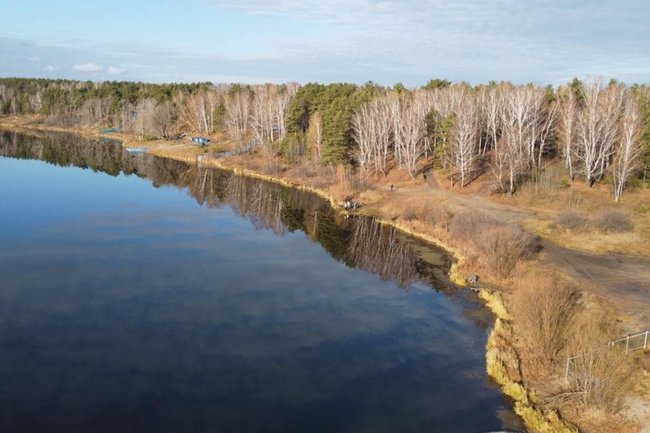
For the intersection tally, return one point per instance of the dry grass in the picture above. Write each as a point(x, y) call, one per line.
point(494, 301)
point(642, 386)
point(551, 194)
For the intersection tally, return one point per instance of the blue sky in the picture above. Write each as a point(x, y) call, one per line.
point(386, 41)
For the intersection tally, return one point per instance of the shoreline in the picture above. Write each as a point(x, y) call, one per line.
point(128, 141)
point(336, 204)
point(500, 340)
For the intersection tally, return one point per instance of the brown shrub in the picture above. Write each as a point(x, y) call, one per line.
point(551, 326)
point(466, 225)
point(441, 217)
point(427, 213)
point(544, 309)
point(602, 376)
point(498, 245)
point(614, 221)
point(409, 213)
point(505, 245)
point(571, 220)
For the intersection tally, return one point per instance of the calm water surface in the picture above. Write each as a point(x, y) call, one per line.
point(143, 295)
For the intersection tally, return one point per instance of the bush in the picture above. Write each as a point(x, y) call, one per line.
point(603, 376)
point(571, 220)
point(466, 225)
point(499, 245)
point(544, 309)
point(437, 216)
point(428, 213)
point(409, 213)
point(613, 221)
point(505, 245)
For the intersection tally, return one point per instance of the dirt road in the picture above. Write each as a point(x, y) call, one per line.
point(620, 280)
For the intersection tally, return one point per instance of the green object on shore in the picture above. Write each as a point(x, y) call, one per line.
point(109, 130)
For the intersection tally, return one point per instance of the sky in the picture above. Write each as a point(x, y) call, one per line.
point(385, 41)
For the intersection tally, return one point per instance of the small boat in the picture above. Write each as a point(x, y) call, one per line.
point(135, 150)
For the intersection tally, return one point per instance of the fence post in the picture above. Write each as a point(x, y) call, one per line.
point(645, 340)
point(627, 343)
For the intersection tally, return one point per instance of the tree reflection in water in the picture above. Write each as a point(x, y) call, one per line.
point(359, 242)
point(377, 248)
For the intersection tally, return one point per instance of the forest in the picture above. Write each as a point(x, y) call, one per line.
point(600, 131)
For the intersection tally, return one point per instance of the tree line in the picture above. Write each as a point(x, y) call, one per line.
point(600, 132)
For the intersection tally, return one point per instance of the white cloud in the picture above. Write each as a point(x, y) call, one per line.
point(50, 68)
point(87, 67)
point(474, 40)
point(381, 40)
point(114, 70)
point(34, 59)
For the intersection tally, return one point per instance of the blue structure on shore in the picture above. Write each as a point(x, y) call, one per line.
point(201, 141)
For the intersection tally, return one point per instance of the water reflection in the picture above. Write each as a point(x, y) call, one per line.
point(378, 249)
point(129, 308)
point(359, 242)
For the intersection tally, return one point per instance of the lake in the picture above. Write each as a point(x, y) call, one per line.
point(139, 294)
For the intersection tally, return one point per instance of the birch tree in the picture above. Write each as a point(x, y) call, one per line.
point(261, 117)
point(410, 131)
point(268, 113)
point(372, 130)
point(597, 129)
point(526, 122)
point(628, 154)
point(491, 106)
point(512, 155)
point(237, 113)
point(363, 132)
point(567, 127)
point(282, 97)
point(196, 112)
point(143, 113)
point(463, 150)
